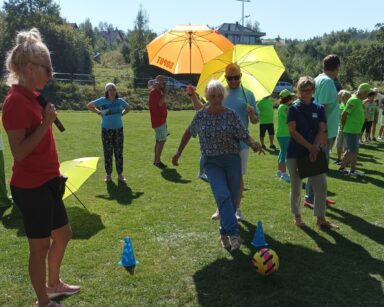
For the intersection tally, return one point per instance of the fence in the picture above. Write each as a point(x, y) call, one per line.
point(78, 78)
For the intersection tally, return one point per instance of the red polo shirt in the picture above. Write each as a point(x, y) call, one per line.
point(21, 111)
point(158, 113)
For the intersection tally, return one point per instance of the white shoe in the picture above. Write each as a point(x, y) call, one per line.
point(239, 215)
point(278, 173)
point(203, 177)
point(216, 215)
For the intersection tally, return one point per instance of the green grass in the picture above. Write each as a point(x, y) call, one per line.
point(167, 215)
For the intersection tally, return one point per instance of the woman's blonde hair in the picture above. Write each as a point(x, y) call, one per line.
point(29, 48)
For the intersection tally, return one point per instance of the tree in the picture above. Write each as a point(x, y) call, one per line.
point(138, 39)
point(255, 26)
point(70, 49)
point(86, 28)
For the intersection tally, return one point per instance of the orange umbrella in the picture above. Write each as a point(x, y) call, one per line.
point(185, 48)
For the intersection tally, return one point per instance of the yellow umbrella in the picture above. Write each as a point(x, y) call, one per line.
point(260, 66)
point(185, 48)
point(77, 171)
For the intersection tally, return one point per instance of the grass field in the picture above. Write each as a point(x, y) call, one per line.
point(167, 216)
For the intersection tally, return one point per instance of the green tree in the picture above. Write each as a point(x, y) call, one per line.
point(87, 30)
point(137, 40)
point(70, 48)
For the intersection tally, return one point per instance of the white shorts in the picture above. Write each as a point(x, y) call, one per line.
point(244, 160)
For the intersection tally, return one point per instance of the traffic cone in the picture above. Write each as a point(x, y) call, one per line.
point(128, 257)
point(259, 239)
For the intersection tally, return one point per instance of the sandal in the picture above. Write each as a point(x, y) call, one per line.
point(298, 222)
point(327, 225)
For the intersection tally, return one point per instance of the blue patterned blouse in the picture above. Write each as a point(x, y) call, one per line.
point(219, 134)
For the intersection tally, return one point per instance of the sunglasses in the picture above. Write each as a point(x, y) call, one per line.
point(233, 78)
point(46, 68)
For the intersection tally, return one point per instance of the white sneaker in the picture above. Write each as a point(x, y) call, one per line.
point(235, 242)
point(203, 177)
point(278, 173)
point(216, 215)
point(239, 215)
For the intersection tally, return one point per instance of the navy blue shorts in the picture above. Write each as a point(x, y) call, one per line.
point(266, 127)
point(42, 209)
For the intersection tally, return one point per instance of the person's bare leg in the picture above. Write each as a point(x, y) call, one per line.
point(60, 239)
point(271, 139)
point(159, 150)
point(262, 140)
point(353, 161)
point(282, 167)
point(38, 249)
point(373, 131)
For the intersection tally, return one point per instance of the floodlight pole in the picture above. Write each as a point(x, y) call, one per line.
point(242, 18)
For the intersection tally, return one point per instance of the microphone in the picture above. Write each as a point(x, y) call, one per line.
point(57, 122)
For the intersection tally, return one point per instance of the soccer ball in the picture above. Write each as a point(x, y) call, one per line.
point(265, 261)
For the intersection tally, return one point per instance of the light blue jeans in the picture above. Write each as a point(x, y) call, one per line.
point(224, 175)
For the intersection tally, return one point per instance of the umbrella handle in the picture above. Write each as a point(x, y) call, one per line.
point(76, 197)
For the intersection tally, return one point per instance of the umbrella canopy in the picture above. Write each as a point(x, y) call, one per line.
point(185, 48)
point(77, 171)
point(260, 66)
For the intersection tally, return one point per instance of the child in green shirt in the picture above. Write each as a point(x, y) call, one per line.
point(265, 106)
point(282, 133)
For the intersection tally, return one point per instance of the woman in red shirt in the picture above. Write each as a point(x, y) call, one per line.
point(36, 185)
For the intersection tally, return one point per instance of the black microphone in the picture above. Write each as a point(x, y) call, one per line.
point(57, 122)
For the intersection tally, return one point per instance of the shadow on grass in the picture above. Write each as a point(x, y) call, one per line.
point(340, 274)
point(363, 179)
point(84, 223)
point(271, 151)
point(122, 193)
point(371, 231)
point(172, 175)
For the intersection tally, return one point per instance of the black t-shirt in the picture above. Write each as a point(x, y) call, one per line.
point(307, 118)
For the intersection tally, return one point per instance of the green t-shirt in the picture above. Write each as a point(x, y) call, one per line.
point(282, 126)
point(355, 118)
point(326, 95)
point(265, 106)
point(341, 109)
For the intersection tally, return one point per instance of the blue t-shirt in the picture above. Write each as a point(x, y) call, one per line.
point(307, 118)
point(326, 94)
point(219, 134)
point(111, 112)
point(236, 101)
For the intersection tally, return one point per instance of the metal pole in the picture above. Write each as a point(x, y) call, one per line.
point(242, 16)
point(190, 52)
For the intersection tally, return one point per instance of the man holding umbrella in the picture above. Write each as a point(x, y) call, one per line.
point(243, 102)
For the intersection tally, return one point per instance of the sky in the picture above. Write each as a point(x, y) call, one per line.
point(296, 19)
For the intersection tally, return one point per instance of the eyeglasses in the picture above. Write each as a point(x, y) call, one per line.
point(305, 90)
point(233, 78)
point(48, 69)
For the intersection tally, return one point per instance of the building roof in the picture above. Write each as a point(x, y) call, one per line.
point(112, 36)
point(238, 29)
